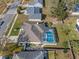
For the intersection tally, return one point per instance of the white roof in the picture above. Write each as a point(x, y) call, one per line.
point(38, 5)
point(34, 5)
point(75, 13)
point(78, 22)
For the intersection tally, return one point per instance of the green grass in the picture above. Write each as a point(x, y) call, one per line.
point(62, 55)
point(72, 34)
point(75, 45)
point(19, 22)
point(9, 27)
point(51, 55)
point(71, 24)
point(10, 48)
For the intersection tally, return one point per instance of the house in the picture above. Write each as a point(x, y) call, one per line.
point(35, 3)
point(34, 10)
point(77, 24)
point(38, 3)
point(34, 13)
point(39, 34)
point(75, 11)
point(29, 55)
point(35, 17)
point(2, 57)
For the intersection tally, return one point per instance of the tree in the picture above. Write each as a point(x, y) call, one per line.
point(66, 29)
point(7, 48)
point(65, 44)
point(48, 24)
point(20, 8)
point(60, 11)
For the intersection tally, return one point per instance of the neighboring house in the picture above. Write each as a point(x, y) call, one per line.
point(29, 55)
point(2, 57)
point(40, 34)
point(75, 11)
point(77, 25)
point(39, 3)
point(34, 10)
point(34, 13)
point(35, 3)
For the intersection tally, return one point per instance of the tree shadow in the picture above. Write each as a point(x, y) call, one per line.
point(43, 16)
point(56, 34)
point(44, 3)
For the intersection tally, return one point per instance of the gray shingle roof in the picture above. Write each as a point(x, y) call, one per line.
point(35, 16)
point(27, 55)
point(33, 10)
point(22, 37)
point(39, 1)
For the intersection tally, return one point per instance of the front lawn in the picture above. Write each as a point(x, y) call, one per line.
point(61, 55)
point(20, 20)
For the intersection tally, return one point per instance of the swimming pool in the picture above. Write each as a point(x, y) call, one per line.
point(49, 36)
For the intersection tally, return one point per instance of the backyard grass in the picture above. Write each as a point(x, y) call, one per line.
point(51, 55)
point(75, 45)
point(61, 55)
point(19, 22)
point(73, 34)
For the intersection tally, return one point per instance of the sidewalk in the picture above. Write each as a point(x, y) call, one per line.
point(12, 25)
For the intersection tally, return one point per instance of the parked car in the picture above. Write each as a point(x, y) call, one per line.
point(1, 23)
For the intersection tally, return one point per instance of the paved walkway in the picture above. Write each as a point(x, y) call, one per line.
point(12, 25)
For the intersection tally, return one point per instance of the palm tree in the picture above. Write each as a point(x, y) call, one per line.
point(60, 11)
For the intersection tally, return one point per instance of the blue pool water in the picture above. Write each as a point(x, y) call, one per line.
point(49, 36)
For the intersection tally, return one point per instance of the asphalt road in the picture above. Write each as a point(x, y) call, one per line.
point(8, 17)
